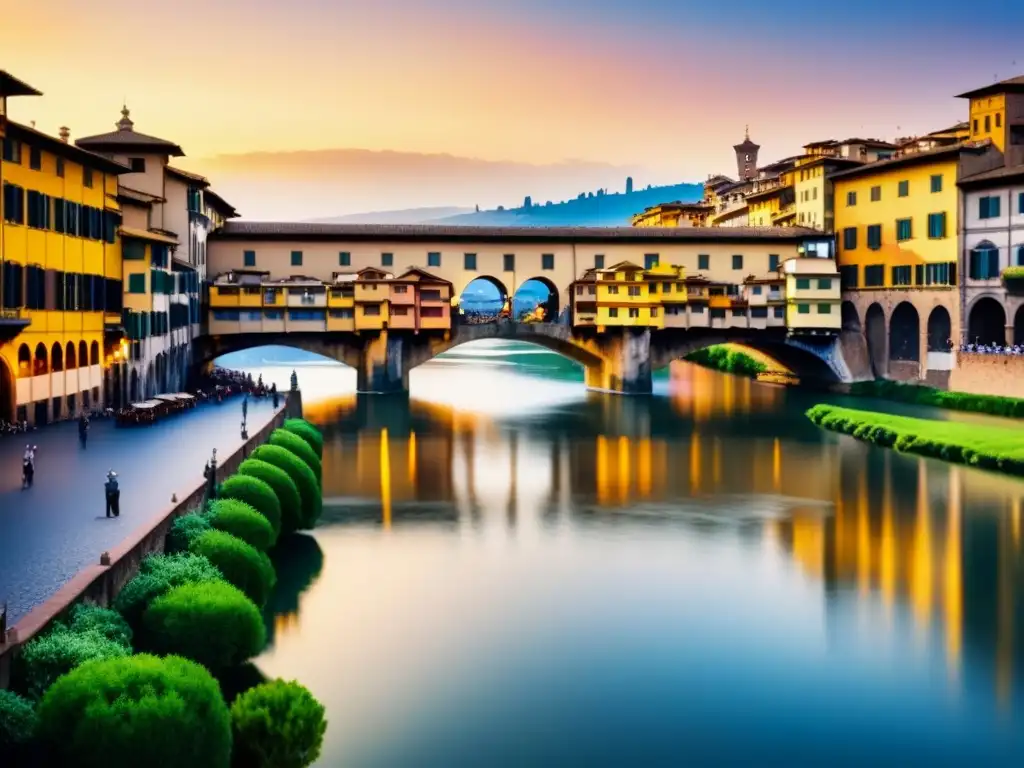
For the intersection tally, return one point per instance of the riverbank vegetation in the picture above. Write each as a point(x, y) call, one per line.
point(993, 448)
point(199, 607)
point(919, 394)
point(722, 358)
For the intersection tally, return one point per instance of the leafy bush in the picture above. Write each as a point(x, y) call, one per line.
point(18, 722)
point(1013, 273)
point(301, 475)
point(722, 358)
point(257, 494)
point(298, 446)
point(213, 623)
point(277, 725)
point(919, 394)
point(307, 432)
point(45, 658)
point(86, 617)
point(284, 488)
point(241, 520)
point(157, 575)
point(185, 530)
point(136, 711)
point(242, 564)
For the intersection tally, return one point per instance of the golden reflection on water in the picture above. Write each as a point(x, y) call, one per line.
point(889, 526)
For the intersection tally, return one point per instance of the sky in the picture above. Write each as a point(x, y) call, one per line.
point(586, 91)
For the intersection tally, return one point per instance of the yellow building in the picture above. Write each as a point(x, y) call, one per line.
point(61, 275)
point(997, 114)
point(667, 284)
point(812, 296)
point(674, 215)
point(617, 296)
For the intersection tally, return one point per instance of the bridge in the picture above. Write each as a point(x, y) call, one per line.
point(619, 360)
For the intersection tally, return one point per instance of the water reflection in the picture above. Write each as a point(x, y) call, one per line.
point(911, 561)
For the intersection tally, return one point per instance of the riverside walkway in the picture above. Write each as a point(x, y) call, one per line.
point(54, 529)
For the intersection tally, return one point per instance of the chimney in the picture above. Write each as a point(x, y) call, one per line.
point(65, 133)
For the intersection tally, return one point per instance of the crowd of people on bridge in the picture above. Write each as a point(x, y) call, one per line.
point(992, 349)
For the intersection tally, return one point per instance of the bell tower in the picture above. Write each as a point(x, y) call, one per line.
point(746, 157)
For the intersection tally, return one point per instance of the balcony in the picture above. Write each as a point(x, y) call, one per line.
point(784, 213)
point(12, 322)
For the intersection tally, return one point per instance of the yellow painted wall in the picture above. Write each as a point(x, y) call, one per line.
point(139, 302)
point(994, 109)
point(813, 301)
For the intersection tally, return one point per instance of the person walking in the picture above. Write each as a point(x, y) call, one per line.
point(113, 495)
point(28, 466)
point(83, 429)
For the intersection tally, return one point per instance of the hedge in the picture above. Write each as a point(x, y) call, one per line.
point(284, 488)
point(292, 442)
point(257, 494)
point(277, 725)
point(994, 448)
point(86, 617)
point(919, 394)
point(45, 658)
point(241, 520)
point(185, 530)
point(242, 564)
point(301, 475)
point(721, 358)
point(213, 623)
point(18, 723)
point(307, 432)
point(157, 575)
point(136, 711)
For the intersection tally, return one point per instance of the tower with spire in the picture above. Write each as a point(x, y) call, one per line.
point(746, 157)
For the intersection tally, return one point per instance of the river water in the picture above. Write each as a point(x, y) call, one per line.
point(512, 571)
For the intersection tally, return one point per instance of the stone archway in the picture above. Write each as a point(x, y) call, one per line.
point(850, 318)
point(527, 296)
point(8, 392)
point(987, 322)
point(940, 331)
point(877, 338)
point(1018, 326)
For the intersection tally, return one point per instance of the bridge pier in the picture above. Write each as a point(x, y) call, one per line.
point(625, 363)
point(383, 368)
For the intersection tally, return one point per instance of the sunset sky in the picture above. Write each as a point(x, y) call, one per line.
point(656, 88)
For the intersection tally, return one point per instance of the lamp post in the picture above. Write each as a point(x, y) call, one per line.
point(211, 476)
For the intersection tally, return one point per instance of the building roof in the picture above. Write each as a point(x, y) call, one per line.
point(127, 139)
point(958, 128)
point(814, 160)
point(136, 196)
point(63, 149)
point(310, 231)
point(145, 234)
point(913, 158)
point(12, 86)
point(222, 205)
point(993, 178)
point(1013, 85)
point(188, 176)
point(418, 273)
point(855, 140)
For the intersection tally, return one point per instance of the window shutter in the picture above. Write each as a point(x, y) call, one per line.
point(993, 262)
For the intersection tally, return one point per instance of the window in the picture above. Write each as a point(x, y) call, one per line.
point(434, 259)
point(850, 239)
point(469, 262)
point(824, 284)
point(901, 276)
point(650, 260)
point(14, 204)
point(984, 262)
point(613, 312)
point(778, 312)
point(876, 194)
point(1020, 255)
point(137, 283)
point(803, 309)
point(803, 283)
point(547, 261)
point(344, 259)
point(903, 188)
point(633, 290)
point(296, 258)
point(401, 288)
point(938, 274)
point(60, 167)
point(1020, 203)
point(975, 125)
point(634, 312)
point(399, 310)
point(307, 314)
point(387, 259)
point(431, 312)
point(613, 289)
point(988, 207)
point(138, 165)
point(38, 210)
point(851, 199)
point(703, 261)
point(874, 236)
point(999, 120)
point(12, 150)
point(936, 225)
point(824, 309)
point(249, 258)
point(874, 276)
point(988, 123)
point(35, 159)
point(757, 290)
point(508, 262)
point(654, 311)
point(904, 229)
point(87, 177)
point(759, 312)
point(848, 276)
point(737, 261)
point(936, 182)
point(598, 261)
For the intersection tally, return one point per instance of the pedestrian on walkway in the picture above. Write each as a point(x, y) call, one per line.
point(83, 429)
point(28, 466)
point(113, 494)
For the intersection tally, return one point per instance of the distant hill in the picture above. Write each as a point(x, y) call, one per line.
point(407, 216)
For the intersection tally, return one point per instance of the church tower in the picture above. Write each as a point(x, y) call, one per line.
point(746, 157)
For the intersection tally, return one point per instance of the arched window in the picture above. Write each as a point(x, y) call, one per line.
point(94, 353)
point(56, 358)
point(70, 358)
point(24, 361)
point(41, 364)
point(1020, 255)
point(984, 261)
point(83, 353)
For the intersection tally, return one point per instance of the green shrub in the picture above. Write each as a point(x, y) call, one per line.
point(157, 575)
point(136, 711)
point(1013, 273)
point(86, 617)
point(242, 564)
point(919, 394)
point(284, 488)
point(257, 494)
point(301, 475)
point(239, 519)
point(212, 623)
point(45, 658)
point(298, 446)
point(722, 358)
point(307, 432)
point(277, 725)
point(185, 529)
point(18, 723)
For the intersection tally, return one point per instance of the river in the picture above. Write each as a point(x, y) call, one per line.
point(512, 571)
